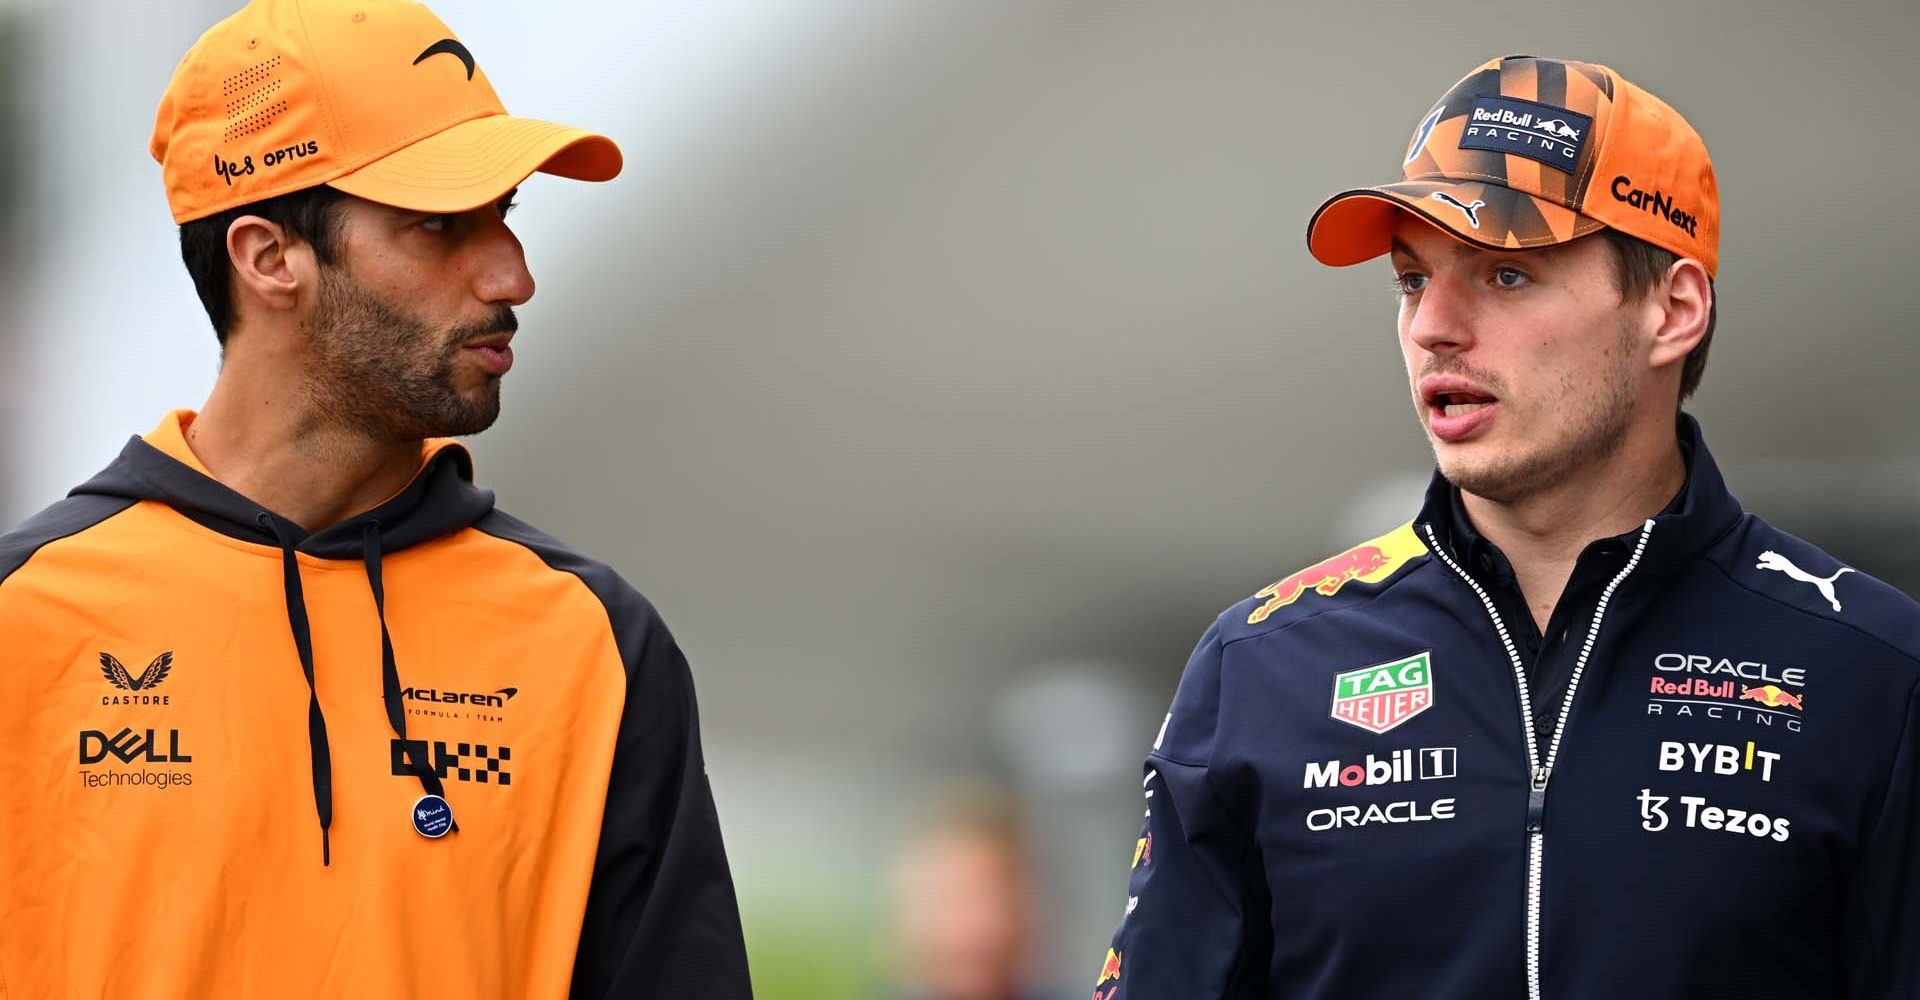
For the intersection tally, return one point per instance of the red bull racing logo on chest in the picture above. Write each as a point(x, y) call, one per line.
point(1382, 696)
point(1371, 562)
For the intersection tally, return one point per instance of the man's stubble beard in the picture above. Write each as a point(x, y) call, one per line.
point(387, 375)
point(1592, 435)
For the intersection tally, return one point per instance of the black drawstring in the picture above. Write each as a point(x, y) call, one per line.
point(318, 751)
point(415, 754)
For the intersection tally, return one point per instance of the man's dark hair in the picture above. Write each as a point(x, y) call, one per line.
point(1640, 265)
point(309, 214)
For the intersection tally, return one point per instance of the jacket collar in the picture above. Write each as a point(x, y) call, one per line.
point(440, 498)
point(1701, 513)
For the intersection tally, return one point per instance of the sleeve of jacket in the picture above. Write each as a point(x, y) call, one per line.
point(1195, 926)
point(1882, 932)
point(661, 916)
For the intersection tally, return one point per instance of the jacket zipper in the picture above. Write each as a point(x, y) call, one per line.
point(1542, 771)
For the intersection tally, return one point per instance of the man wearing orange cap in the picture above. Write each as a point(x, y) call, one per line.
point(1584, 729)
point(291, 709)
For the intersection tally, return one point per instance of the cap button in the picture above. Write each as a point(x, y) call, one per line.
point(359, 15)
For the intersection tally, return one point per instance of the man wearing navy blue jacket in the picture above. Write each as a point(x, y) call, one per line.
point(1584, 729)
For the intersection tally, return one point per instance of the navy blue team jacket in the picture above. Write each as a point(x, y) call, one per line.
point(1357, 795)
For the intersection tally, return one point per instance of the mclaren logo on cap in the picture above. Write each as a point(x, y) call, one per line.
point(451, 47)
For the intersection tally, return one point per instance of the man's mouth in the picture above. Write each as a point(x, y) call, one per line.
point(1456, 408)
point(493, 352)
point(1455, 404)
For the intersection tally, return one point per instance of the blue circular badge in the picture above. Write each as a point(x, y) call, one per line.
point(432, 817)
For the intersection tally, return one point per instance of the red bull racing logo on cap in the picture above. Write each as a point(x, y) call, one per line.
point(1371, 562)
point(1382, 696)
point(1539, 132)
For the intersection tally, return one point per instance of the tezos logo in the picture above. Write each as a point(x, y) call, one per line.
point(1382, 696)
point(1701, 816)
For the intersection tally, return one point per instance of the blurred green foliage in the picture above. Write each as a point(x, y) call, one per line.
point(802, 949)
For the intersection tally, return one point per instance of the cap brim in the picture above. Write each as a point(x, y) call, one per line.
point(473, 163)
point(1356, 226)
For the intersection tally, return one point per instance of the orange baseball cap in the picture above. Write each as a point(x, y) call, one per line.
point(374, 97)
point(1528, 152)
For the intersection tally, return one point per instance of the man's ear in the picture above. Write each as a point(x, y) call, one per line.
point(270, 267)
point(1685, 302)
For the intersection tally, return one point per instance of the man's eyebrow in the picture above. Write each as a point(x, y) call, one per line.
point(1455, 248)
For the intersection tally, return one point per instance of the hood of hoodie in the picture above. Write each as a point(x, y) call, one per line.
point(439, 500)
point(159, 466)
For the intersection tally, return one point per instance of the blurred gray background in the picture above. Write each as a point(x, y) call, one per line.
point(941, 367)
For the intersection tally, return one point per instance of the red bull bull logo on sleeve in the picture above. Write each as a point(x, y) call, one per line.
point(1109, 970)
point(1371, 562)
point(1382, 696)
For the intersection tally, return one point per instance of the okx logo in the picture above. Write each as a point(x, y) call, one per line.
point(473, 762)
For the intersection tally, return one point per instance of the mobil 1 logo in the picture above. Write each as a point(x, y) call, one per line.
point(1397, 767)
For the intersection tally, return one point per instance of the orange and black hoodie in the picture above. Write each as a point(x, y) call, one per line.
point(225, 745)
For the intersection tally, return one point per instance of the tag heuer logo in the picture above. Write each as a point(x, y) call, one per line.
point(1382, 696)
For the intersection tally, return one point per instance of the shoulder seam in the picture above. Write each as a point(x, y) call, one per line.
point(83, 529)
point(1736, 581)
point(551, 568)
point(1413, 566)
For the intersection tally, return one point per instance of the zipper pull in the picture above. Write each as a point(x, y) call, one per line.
point(1537, 799)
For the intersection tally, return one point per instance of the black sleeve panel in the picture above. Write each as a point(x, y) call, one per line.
point(661, 916)
point(67, 517)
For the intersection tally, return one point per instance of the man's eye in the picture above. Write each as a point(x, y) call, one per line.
point(1409, 282)
point(438, 223)
point(1507, 277)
